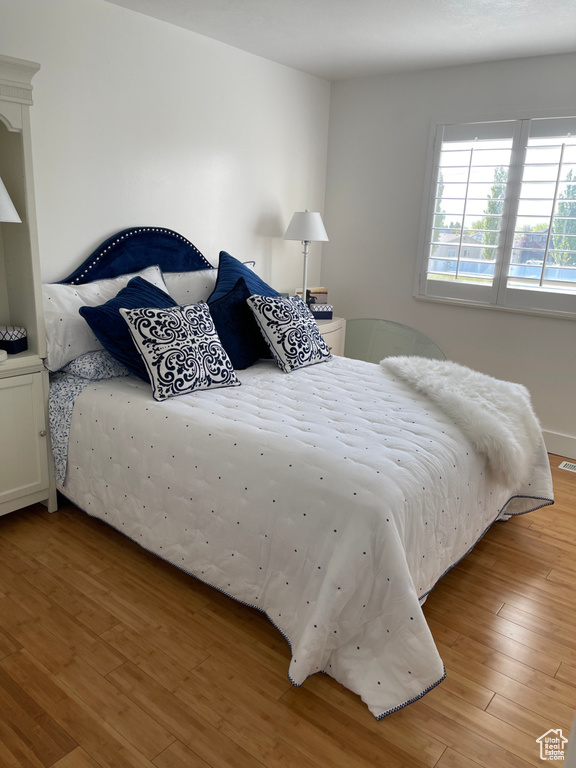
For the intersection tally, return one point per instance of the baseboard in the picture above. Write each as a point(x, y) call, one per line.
point(562, 445)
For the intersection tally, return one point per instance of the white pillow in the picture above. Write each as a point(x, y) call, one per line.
point(68, 335)
point(191, 287)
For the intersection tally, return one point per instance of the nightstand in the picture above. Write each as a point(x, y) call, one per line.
point(25, 476)
point(334, 333)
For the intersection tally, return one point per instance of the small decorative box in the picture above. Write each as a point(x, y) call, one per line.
point(13, 339)
point(322, 311)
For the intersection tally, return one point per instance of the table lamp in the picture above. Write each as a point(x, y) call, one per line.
point(7, 211)
point(306, 226)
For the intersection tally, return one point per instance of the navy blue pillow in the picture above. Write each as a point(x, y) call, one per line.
point(239, 334)
point(237, 328)
point(111, 329)
point(229, 270)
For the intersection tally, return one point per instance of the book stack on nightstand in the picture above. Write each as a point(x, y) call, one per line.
point(317, 300)
point(332, 328)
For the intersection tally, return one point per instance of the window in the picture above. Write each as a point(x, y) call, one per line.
point(500, 226)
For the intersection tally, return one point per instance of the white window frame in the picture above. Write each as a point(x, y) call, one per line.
point(499, 295)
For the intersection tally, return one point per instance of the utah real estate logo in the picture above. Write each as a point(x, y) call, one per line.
point(552, 745)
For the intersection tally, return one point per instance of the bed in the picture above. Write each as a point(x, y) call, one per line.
point(331, 497)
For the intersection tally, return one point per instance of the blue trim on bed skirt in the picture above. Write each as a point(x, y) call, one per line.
point(412, 700)
point(134, 249)
point(546, 502)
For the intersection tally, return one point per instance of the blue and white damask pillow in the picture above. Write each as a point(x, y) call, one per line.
point(290, 330)
point(180, 348)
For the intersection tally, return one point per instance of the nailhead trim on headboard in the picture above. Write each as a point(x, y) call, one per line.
point(127, 235)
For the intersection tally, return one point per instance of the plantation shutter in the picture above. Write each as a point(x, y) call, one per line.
point(471, 174)
point(542, 266)
point(501, 222)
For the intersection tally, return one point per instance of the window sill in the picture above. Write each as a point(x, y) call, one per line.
point(558, 315)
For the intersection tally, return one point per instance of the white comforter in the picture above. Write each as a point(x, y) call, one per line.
point(332, 498)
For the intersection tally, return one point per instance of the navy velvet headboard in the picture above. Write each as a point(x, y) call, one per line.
point(136, 248)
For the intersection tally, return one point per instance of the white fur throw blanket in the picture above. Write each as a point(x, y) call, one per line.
point(496, 416)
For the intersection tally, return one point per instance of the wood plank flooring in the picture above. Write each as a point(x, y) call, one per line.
point(110, 658)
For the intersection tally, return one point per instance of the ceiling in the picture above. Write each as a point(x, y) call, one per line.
point(342, 39)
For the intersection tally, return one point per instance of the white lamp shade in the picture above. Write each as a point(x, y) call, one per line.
point(7, 210)
point(306, 226)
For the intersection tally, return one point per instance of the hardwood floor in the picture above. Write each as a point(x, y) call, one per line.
point(110, 657)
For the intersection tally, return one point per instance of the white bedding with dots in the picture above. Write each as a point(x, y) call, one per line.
point(332, 498)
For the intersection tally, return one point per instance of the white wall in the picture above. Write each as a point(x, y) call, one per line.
point(379, 130)
point(138, 122)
